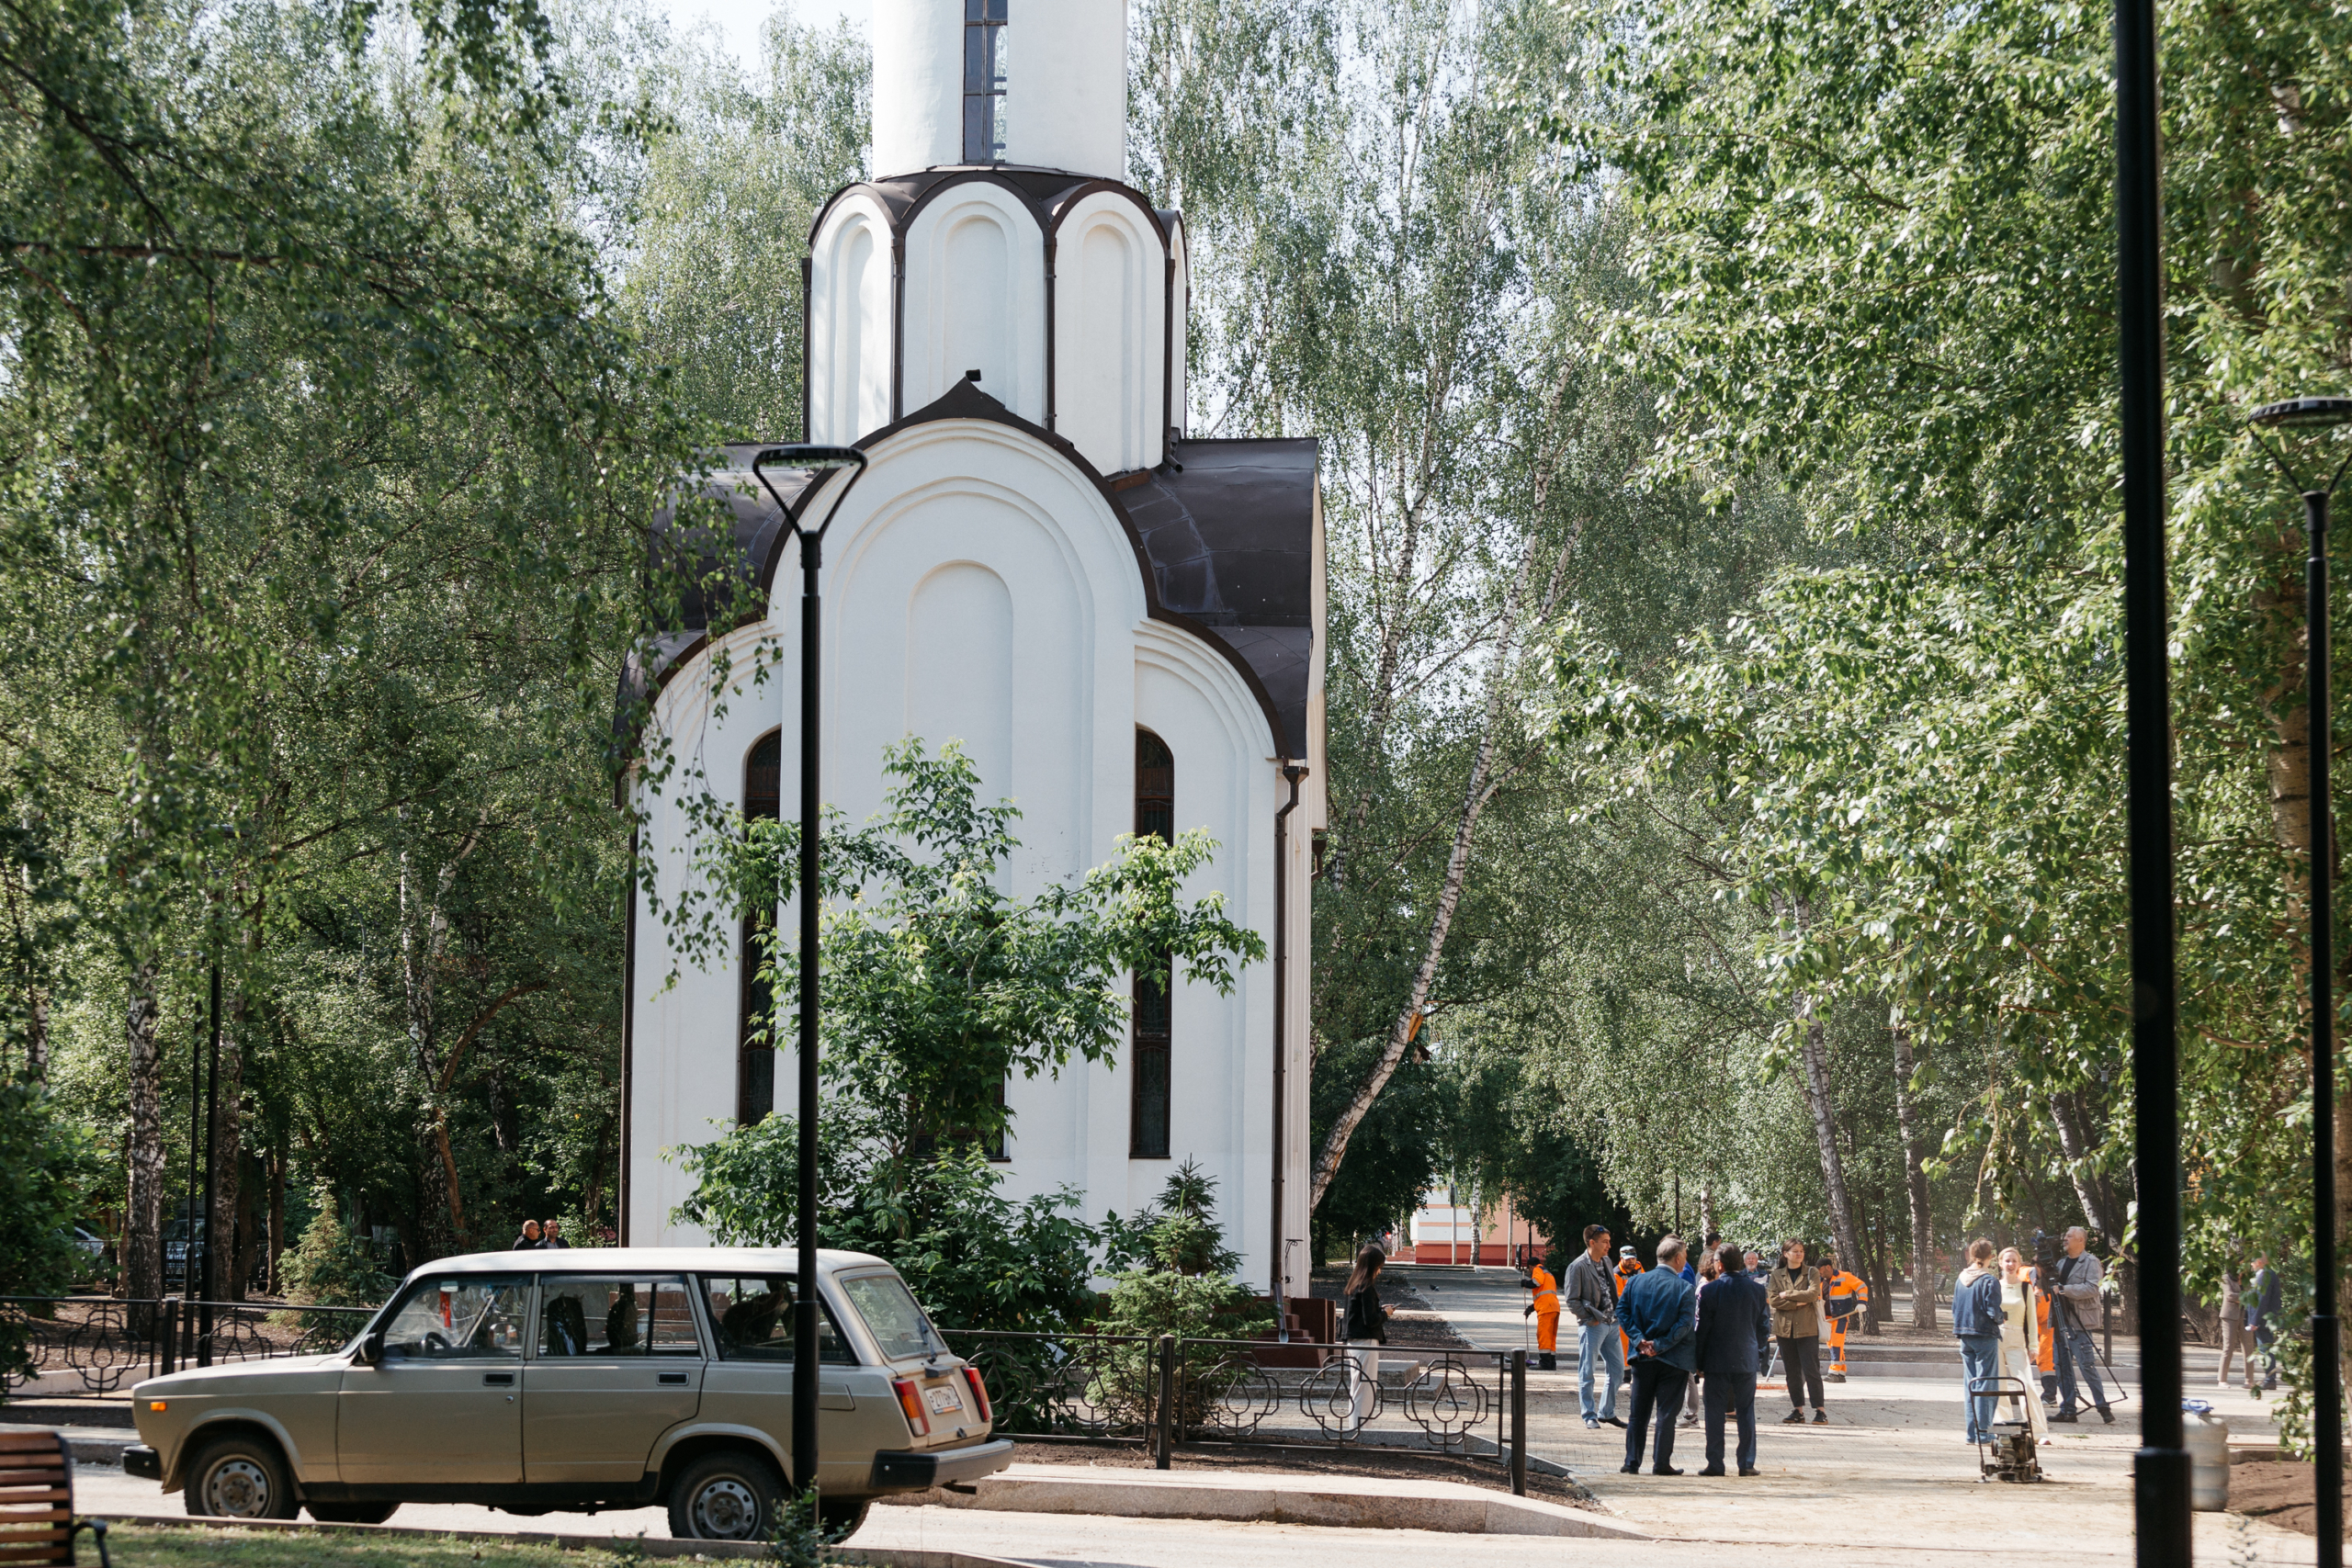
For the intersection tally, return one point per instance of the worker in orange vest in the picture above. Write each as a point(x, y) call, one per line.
point(1627, 1267)
point(1546, 1306)
point(1843, 1297)
point(2044, 1358)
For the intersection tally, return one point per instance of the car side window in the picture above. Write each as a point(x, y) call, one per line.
point(754, 1315)
point(462, 1317)
point(615, 1314)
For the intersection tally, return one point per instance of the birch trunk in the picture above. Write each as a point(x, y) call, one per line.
point(1814, 1056)
point(1914, 1184)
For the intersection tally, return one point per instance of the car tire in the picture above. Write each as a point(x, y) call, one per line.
point(730, 1495)
point(240, 1477)
point(351, 1513)
point(842, 1516)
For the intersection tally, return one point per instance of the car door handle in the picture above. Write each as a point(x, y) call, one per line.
point(498, 1380)
point(673, 1377)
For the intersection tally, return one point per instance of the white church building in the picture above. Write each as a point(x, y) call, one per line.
point(1123, 626)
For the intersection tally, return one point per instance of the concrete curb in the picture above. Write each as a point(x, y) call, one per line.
point(1345, 1502)
point(96, 1445)
point(649, 1546)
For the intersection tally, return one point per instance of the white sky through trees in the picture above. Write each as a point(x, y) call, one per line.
point(740, 19)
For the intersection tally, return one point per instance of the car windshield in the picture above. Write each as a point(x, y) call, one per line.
point(474, 1316)
point(891, 1315)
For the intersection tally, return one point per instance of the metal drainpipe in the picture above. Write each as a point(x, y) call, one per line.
point(1294, 772)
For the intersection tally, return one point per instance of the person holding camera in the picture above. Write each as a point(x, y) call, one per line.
point(2076, 1312)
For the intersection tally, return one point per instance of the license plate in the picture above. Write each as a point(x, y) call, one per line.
point(945, 1400)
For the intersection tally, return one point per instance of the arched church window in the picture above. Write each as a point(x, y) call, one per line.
point(984, 81)
point(1155, 817)
point(754, 1051)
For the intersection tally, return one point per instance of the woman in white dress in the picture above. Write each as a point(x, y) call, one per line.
point(2018, 1346)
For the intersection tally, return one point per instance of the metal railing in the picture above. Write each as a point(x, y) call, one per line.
point(96, 1345)
point(1169, 1393)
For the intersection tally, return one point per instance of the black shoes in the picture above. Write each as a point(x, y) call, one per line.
point(1751, 1471)
point(1713, 1470)
point(2067, 1418)
point(1821, 1418)
point(1616, 1421)
point(2107, 1415)
point(1664, 1469)
point(1793, 1418)
point(1629, 1470)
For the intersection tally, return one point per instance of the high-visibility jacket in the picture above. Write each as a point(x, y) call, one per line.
point(1843, 1283)
point(1626, 1268)
point(1547, 1289)
point(2045, 1360)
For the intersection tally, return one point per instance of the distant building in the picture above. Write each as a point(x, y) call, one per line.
point(1447, 1231)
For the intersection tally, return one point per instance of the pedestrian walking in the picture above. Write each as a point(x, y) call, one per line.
point(1365, 1331)
point(529, 1240)
point(1659, 1312)
point(1735, 1333)
point(550, 1233)
point(1544, 1307)
point(2261, 1323)
point(2021, 1333)
point(1976, 1324)
point(1592, 1301)
point(2078, 1311)
point(1843, 1297)
point(1796, 1292)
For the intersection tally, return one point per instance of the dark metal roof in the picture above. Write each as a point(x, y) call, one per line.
point(1225, 536)
point(1048, 192)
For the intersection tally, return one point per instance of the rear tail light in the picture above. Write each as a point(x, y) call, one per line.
point(979, 1393)
point(910, 1401)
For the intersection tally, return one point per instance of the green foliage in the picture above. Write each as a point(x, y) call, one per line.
point(48, 1161)
point(330, 1267)
point(1177, 1233)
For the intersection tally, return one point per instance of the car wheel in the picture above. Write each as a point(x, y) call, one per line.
point(730, 1495)
point(842, 1516)
point(351, 1513)
point(240, 1478)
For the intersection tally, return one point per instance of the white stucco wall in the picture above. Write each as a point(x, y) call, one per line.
point(975, 298)
point(1110, 339)
point(1066, 86)
point(979, 587)
point(918, 84)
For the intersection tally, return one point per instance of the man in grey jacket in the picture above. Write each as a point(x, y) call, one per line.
point(1590, 1294)
point(2076, 1311)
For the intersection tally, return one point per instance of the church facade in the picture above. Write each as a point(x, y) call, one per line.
point(1122, 625)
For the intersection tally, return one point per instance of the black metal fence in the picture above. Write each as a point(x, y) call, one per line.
point(1170, 1394)
point(80, 1347)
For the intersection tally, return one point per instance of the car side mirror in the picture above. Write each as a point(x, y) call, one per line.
point(371, 1348)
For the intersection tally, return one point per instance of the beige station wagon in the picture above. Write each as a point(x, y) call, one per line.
point(584, 1380)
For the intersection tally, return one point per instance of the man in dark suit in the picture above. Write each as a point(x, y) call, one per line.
point(1734, 1326)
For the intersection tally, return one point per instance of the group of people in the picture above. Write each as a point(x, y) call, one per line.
point(537, 1234)
point(2249, 1323)
point(1694, 1336)
point(2013, 1330)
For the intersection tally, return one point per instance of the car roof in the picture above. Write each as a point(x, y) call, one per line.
point(647, 1259)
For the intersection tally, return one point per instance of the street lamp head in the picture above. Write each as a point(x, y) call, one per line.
point(2302, 413)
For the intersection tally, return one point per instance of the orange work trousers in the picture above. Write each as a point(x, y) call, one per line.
point(1547, 1331)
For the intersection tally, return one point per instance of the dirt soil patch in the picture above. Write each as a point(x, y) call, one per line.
point(1374, 1462)
point(2279, 1492)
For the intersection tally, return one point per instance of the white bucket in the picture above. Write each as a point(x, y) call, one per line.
point(2207, 1437)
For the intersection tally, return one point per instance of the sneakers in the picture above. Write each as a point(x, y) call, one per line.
point(1793, 1418)
point(1592, 1423)
point(1821, 1418)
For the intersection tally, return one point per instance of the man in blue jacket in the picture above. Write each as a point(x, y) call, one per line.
point(1659, 1314)
point(1734, 1326)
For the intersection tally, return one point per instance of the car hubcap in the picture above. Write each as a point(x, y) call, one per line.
point(237, 1489)
point(726, 1509)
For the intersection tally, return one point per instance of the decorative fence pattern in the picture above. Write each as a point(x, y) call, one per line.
point(1169, 1392)
point(101, 1345)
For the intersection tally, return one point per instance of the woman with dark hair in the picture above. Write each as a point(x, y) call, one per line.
point(1365, 1330)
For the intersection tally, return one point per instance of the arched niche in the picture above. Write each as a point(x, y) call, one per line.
point(849, 311)
point(975, 298)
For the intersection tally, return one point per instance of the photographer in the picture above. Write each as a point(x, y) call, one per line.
point(2078, 1311)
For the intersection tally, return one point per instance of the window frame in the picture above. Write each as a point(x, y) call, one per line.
point(705, 1335)
point(984, 81)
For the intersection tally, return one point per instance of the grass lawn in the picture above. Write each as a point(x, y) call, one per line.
point(151, 1547)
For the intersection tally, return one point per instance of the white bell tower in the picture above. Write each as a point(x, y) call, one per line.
point(1041, 83)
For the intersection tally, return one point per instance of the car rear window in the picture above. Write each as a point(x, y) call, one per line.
point(754, 1315)
point(891, 1317)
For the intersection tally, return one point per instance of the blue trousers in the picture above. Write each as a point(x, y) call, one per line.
point(1979, 1354)
point(1599, 1342)
point(1728, 1394)
point(1657, 1387)
point(2077, 1356)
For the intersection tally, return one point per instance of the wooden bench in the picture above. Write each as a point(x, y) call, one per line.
point(37, 1523)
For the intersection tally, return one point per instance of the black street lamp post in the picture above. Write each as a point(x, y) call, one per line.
point(804, 1317)
point(2160, 1469)
point(2327, 1399)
